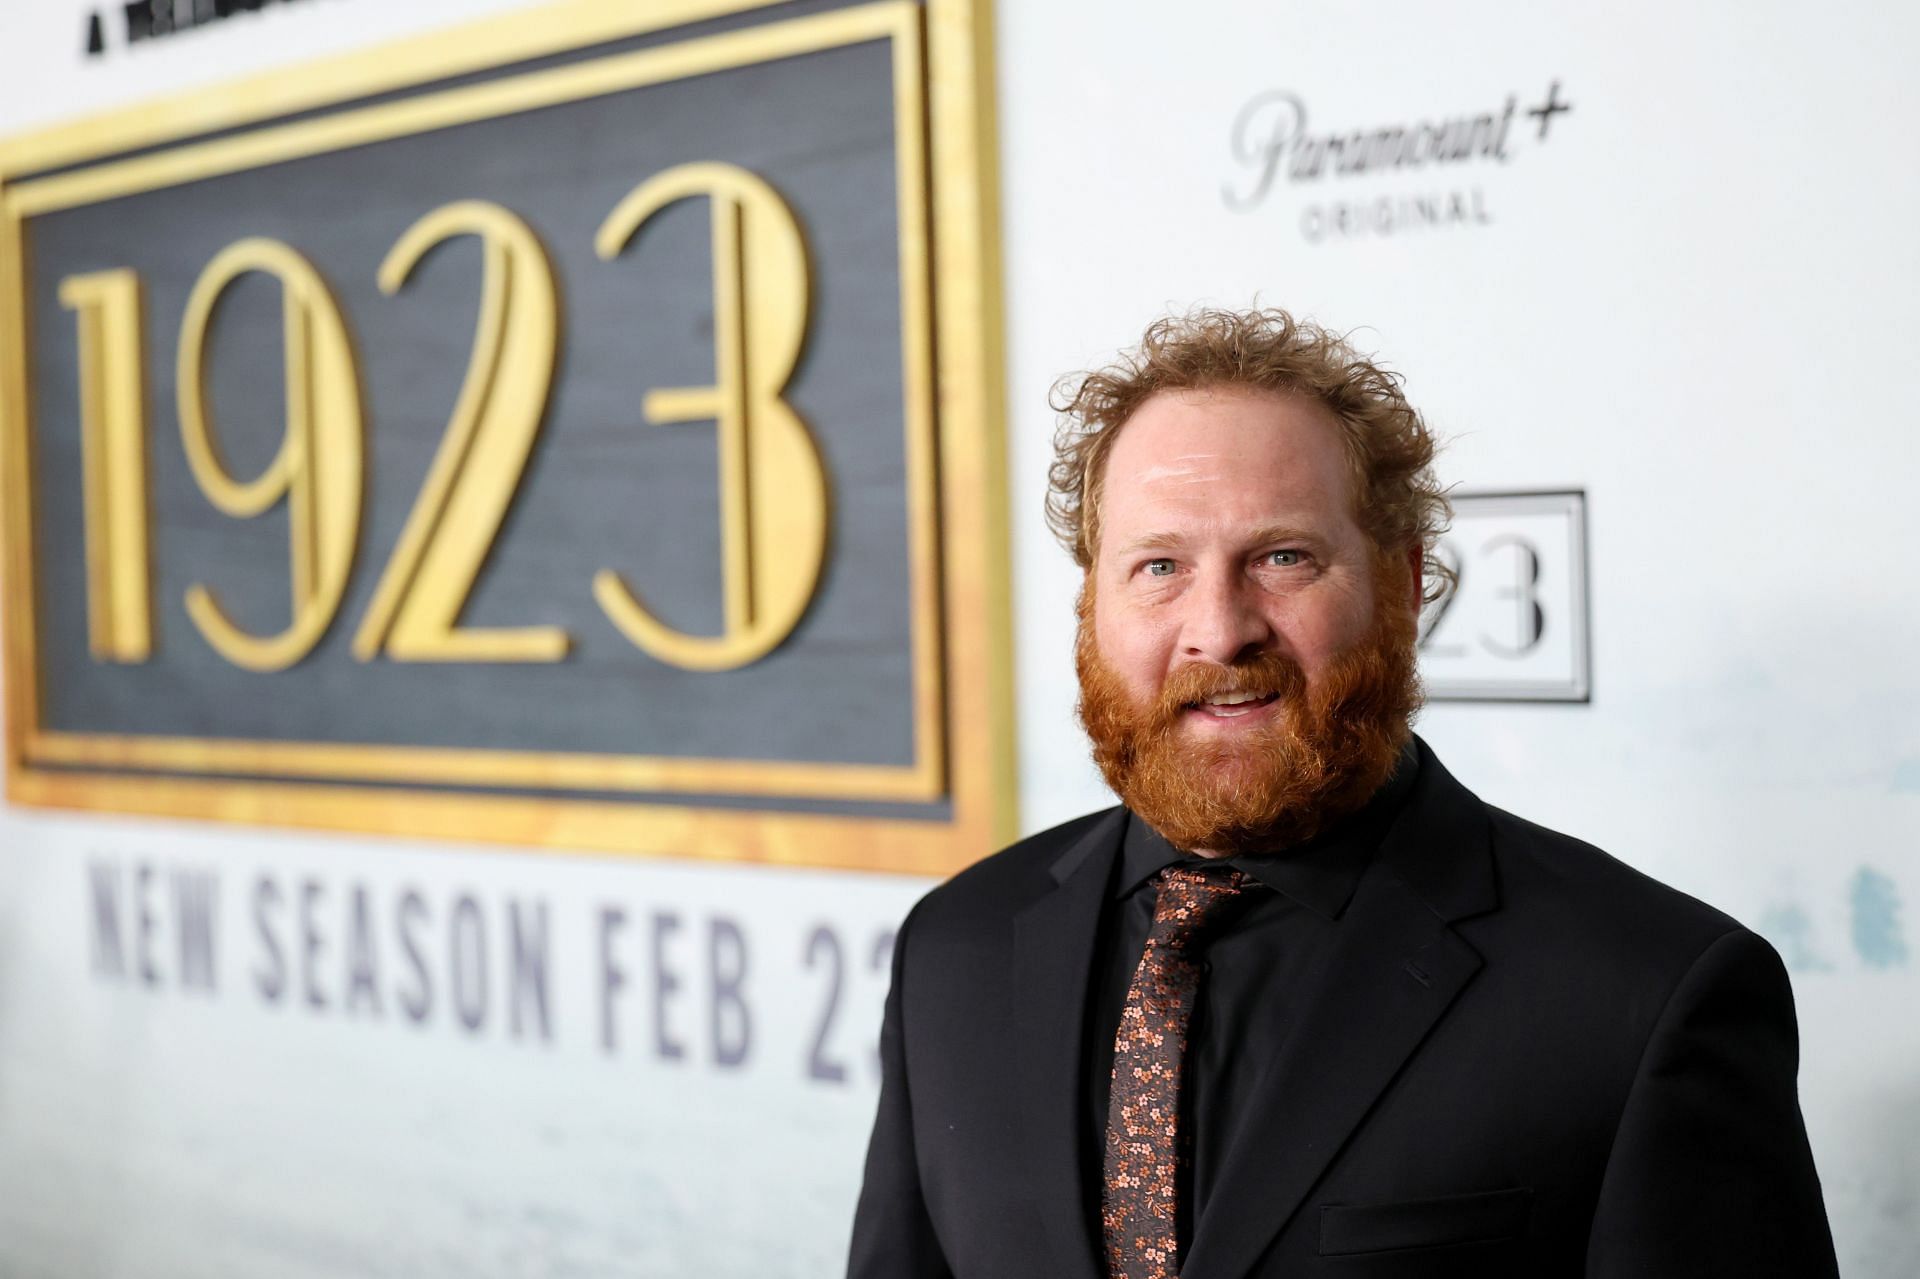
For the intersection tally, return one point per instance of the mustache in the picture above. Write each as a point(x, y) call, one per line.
point(1260, 673)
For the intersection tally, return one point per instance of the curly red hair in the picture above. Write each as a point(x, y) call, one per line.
point(1397, 499)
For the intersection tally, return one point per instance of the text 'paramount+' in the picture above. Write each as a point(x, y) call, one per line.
point(1272, 138)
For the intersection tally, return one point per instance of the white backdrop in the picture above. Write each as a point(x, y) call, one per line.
point(1692, 299)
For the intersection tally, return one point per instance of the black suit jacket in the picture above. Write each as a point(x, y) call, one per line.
point(1521, 1057)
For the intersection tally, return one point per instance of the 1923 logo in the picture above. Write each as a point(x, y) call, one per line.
point(541, 414)
point(1514, 628)
point(773, 492)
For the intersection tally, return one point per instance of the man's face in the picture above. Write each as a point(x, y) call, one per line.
point(1247, 664)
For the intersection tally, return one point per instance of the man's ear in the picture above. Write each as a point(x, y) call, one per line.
point(1417, 564)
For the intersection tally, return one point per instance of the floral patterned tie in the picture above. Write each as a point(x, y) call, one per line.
point(1143, 1143)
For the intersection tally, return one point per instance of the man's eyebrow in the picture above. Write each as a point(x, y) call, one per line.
point(1153, 542)
point(1284, 533)
point(1261, 536)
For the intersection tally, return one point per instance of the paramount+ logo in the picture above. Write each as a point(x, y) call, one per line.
point(1437, 164)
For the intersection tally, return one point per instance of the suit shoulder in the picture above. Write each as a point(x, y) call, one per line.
point(997, 884)
point(1595, 897)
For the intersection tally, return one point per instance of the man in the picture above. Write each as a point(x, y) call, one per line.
point(1305, 1005)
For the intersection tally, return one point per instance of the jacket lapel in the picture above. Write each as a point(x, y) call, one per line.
point(1053, 943)
point(1392, 973)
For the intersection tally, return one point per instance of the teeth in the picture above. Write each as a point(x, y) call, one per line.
point(1234, 699)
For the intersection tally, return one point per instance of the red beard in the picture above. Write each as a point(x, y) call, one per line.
point(1334, 742)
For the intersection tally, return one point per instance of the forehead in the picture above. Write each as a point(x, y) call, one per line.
point(1198, 461)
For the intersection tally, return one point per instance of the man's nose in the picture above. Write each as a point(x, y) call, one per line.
point(1224, 621)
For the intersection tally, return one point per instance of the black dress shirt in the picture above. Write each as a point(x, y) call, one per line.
point(1255, 958)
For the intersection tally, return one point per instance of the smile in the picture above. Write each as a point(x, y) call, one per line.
point(1233, 705)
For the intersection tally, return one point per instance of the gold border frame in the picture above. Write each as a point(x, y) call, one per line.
point(972, 756)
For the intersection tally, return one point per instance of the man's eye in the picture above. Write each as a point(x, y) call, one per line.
point(1283, 559)
point(1160, 568)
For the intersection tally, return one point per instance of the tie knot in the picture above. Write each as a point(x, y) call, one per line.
point(1189, 899)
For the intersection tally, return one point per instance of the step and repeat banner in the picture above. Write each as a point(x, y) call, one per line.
point(523, 555)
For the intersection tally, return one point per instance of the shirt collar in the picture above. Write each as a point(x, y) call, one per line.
point(1321, 873)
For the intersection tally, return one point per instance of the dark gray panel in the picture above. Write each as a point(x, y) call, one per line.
point(602, 489)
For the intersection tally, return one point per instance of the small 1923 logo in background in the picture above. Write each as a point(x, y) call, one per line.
point(1515, 628)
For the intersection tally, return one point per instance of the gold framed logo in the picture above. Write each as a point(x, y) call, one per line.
point(577, 429)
